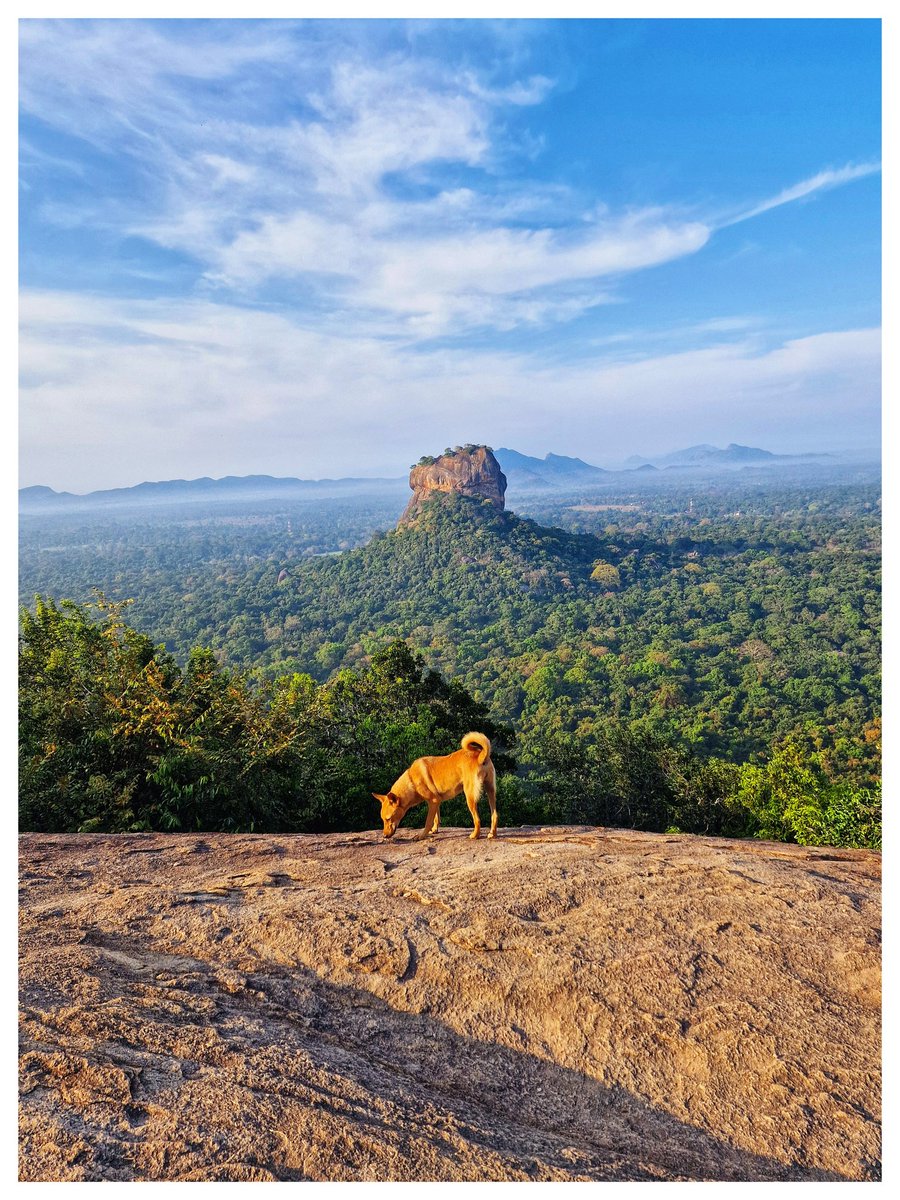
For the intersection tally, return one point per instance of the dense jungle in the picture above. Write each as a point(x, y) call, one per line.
point(699, 655)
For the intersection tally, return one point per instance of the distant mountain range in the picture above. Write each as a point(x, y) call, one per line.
point(554, 471)
point(521, 470)
point(711, 456)
point(523, 473)
point(175, 491)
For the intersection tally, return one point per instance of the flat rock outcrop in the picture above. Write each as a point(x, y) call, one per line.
point(557, 1004)
point(470, 472)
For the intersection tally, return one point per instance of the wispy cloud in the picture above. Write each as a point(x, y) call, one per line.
point(823, 181)
point(434, 282)
point(307, 197)
point(350, 190)
point(122, 81)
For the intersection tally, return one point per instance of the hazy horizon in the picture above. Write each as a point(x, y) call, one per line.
point(323, 248)
point(392, 471)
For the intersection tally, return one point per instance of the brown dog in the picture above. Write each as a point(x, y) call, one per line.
point(437, 778)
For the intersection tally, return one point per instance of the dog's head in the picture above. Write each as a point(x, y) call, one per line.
point(391, 812)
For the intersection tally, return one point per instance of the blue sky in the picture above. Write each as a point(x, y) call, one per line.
point(325, 248)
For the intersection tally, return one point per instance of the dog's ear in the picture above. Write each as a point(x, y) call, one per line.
point(394, 799)
point(380, 799)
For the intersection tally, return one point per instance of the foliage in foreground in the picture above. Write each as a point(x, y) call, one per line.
point(116, 736)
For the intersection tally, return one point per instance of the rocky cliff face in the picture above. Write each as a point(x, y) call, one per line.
point(471, 472)
point(558, 1004)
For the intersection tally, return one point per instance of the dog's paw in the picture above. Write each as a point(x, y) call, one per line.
point(475, 834)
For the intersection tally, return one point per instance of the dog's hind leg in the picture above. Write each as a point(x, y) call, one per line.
point(472, 798)
point(490, 786)
point(437, 820)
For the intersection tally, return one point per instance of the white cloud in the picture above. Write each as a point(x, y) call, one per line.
point(817, 183)
point(119, 392)
point(523, 93)
point(388, 119)
point(436, 283)
point(227, 170)
point(507, 261)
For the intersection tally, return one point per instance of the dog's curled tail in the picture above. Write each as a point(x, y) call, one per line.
point(477, 741)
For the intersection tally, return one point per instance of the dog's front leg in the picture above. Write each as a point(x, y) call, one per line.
point(430, 820)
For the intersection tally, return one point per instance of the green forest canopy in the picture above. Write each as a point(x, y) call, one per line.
point(740, 647)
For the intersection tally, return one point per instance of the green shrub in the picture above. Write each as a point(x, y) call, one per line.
point(791, 799)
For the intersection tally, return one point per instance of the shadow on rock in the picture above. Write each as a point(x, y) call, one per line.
point(202, 1072)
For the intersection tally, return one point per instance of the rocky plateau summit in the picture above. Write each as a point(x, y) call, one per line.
point(565, 1003)
point(470, 471)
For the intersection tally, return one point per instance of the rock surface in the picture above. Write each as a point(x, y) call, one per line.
point(557, 1004)
point(476, 473)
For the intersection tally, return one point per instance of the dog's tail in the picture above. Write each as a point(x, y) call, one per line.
point(477, 741)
